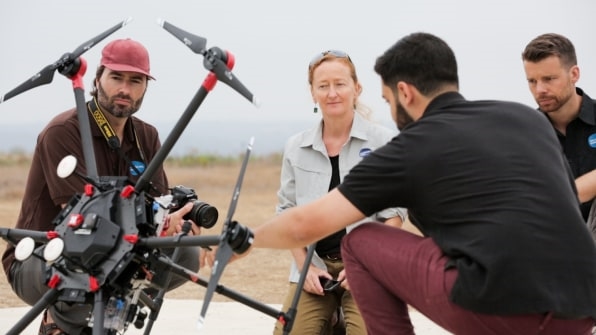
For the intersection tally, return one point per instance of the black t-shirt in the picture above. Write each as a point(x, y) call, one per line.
point(332, 243)
point(579, 142)
point(488, 182)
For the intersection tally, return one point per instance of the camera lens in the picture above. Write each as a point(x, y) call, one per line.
point(203, 214)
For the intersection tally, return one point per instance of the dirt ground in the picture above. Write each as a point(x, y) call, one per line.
point(261, 276)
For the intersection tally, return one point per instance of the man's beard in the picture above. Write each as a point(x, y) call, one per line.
point(556, 102)
point(402, 118)
point(107, 103)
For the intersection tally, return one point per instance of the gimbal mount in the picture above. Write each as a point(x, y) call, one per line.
point(104, 245)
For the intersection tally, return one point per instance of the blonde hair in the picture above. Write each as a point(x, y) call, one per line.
point(359, 107)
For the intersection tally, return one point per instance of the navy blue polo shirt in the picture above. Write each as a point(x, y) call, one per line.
point(579, 143)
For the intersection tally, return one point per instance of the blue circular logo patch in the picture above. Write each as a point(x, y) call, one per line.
point(365, 152)
point(139, 166)
point(592, 140)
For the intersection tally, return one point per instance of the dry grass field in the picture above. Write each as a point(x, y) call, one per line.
point(262, 275)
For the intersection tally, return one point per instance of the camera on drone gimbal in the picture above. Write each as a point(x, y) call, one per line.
point(203, 214)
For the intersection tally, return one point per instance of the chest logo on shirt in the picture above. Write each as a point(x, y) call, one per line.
point(365, 152)
point(592, 140)
point(139, 166)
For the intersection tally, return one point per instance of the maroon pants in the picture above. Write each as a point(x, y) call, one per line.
point(389, 269)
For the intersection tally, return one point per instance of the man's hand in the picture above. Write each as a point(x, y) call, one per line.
point(175, 222)
point(208, 256)
point(586, 186)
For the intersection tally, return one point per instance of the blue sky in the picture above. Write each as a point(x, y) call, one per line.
point(273, 42)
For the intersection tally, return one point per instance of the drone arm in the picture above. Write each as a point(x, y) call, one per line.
point(236, 296)
point(12, 235)
point(85, 127)
point(176, 241)
point(98, 313)
point(46, 300)
point(168, 144)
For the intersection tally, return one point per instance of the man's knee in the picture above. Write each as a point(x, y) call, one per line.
point(189, 258)
point(28, 280)
point(359, 235)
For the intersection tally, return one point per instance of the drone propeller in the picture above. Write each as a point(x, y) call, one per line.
point(216, 61)
point(225, 250)
point(196, 43)
point(64, 65)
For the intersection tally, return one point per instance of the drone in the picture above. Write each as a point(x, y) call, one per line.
point(106, 243)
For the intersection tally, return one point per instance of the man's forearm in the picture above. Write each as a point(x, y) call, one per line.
point(586, 186)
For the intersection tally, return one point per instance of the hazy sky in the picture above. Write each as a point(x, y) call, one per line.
point(273, 41)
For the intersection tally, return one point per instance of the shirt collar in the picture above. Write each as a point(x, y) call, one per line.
point(314, 136)
point(586, 110)
point(442, 100)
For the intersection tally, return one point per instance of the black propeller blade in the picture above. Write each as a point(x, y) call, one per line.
point(215, 59)
point(196, 43)
point(46, 75)
point(225, 75)
point(224, 251)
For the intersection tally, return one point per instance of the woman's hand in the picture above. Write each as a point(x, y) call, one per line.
point(343, 279)
point(312, 282)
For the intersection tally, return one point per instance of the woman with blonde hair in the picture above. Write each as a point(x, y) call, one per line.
point(314, 162)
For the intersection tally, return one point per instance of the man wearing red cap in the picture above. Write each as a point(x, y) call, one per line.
point(123, 146)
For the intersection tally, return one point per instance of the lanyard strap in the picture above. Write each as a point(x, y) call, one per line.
point(112, 138)
point(108, 132)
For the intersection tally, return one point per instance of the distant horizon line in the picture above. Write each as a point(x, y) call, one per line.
point(217, 138)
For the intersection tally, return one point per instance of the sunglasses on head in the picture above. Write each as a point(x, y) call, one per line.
point(335, 53)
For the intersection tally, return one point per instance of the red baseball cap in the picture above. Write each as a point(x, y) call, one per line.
point(126, 55)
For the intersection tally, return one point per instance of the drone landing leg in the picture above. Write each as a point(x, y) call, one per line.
point(158, 301)
point(236, 296)
point(46, 300)
point(290, 316)
point(98, 313)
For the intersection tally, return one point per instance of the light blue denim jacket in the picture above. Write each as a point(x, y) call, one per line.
point(306, 169)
